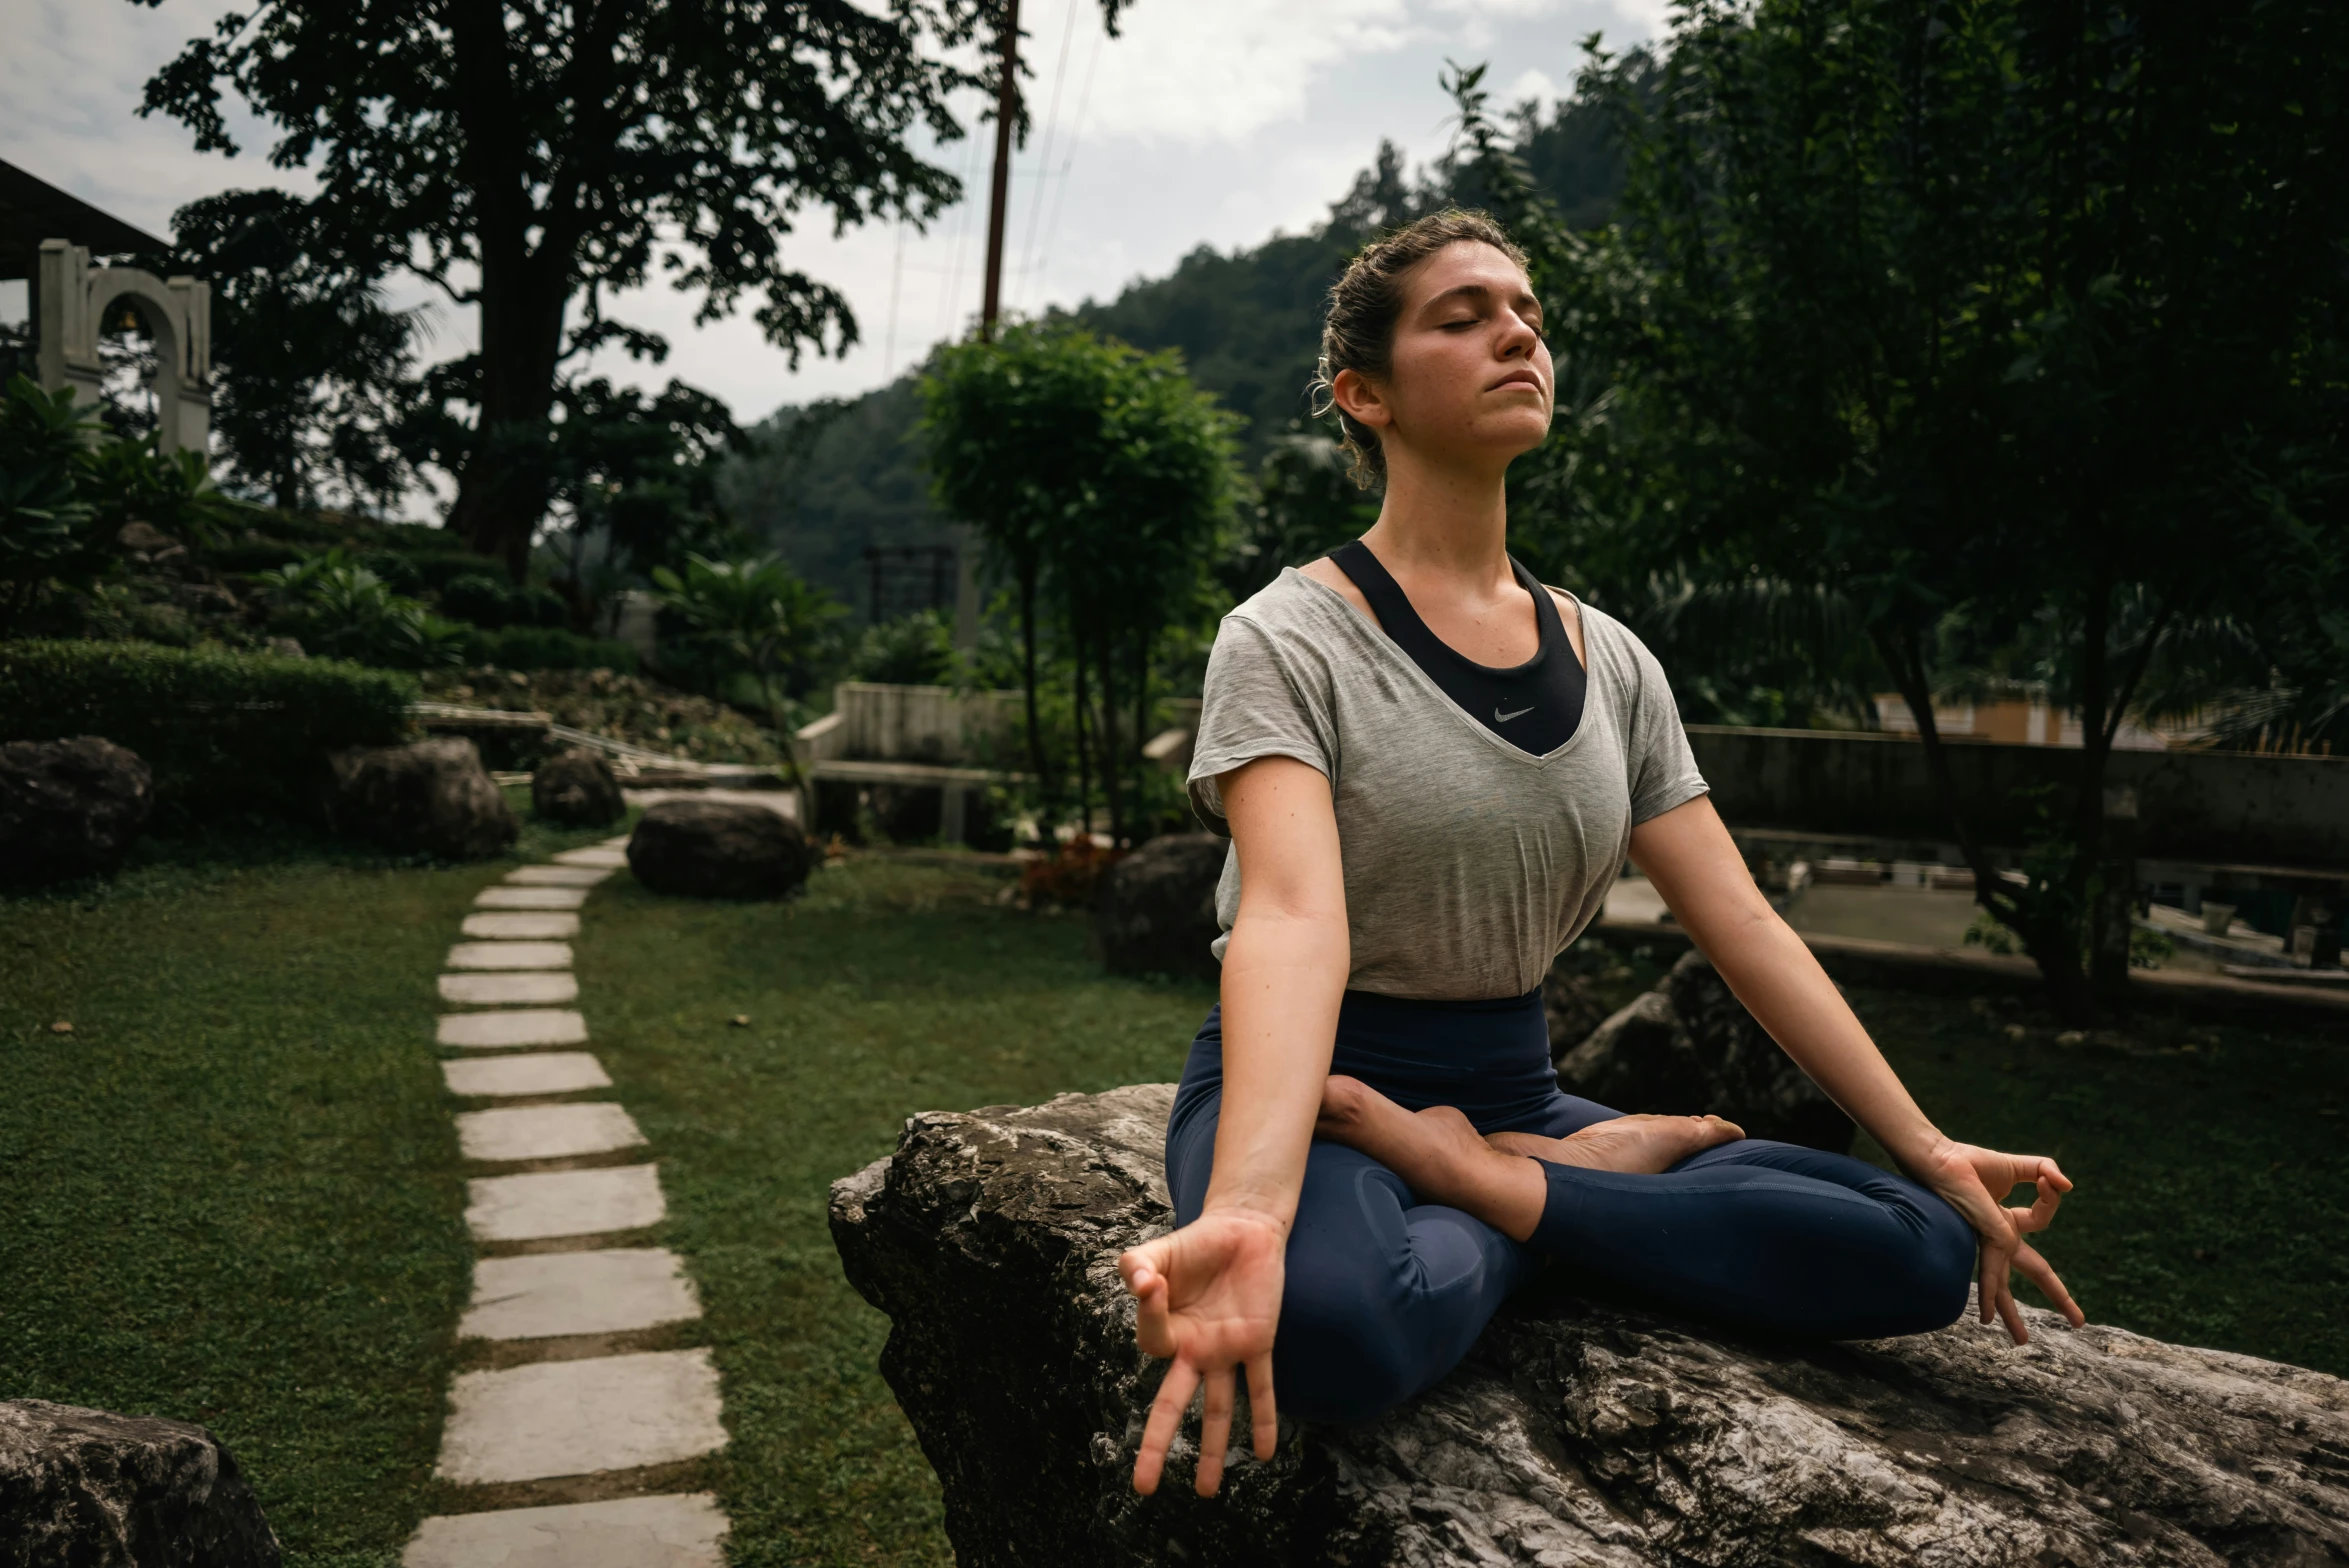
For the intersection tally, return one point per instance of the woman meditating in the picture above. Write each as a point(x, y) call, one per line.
point(1432, 768)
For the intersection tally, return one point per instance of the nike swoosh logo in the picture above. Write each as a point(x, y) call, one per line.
point(1502, 718)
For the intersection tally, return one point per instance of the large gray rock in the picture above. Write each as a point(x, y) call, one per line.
point(91, 1489)
point(1576, 1433)
point(69, 807)
point(432, 797)
point(578, 789)
point(1689, 1047)
point(718, 849)
point(1156, 909)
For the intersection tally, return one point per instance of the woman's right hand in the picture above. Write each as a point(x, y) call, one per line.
point(1209, 1296)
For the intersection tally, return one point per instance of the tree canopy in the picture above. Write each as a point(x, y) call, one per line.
point(531, 157)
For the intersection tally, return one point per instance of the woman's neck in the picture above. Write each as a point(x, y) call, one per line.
point(1448, 524)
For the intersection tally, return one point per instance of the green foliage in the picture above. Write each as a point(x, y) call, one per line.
point(340, 609)
point(561, 151)
point(493, 603)
point(65, 495)
point(1973, 330)
point(1306, 504)
point(312, 371)
point(913, 650)
point(220, 730)
point(46, 525)
point(547, 648)
point(755, 619)
point(1102, 481)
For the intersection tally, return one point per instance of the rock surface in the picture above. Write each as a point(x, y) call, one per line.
point(1156, 911)
point(1689, 1046)
point(69, 807)
point(1577, 1432)
point(98, 1490)
point(577, 788)
point(718, 849)
point(433, 796)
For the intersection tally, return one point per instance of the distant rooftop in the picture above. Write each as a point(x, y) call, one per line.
point(33, 210)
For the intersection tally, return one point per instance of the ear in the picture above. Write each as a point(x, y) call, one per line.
point(1360, 397)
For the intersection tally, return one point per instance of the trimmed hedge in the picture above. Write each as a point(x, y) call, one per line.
point(219, 729)
point(548, 648)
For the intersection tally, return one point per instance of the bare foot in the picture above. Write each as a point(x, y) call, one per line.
point(1438, 1153)
point(1634, 1145)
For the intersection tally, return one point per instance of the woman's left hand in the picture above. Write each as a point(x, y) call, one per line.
point(1976, 1182)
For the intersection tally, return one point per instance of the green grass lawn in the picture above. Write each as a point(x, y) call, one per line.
point(233, 1195)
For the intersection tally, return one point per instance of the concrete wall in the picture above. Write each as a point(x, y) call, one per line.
point(932, 724)
point(2215, 808)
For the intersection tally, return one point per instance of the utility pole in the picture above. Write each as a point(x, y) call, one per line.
point(1007, 103)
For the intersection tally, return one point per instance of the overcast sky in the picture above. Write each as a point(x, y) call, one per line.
point(1206, 122)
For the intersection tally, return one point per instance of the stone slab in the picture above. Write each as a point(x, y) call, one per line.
point(609, 1291)
point(510, 955)
point(545, 1132)
point(619, 842)
point(556, 876)
point(561, 1418)
point(600, 855)
point(522, 926)
point(530, 898)
point(524, 988)
point(681, 1531)
point(540, 1204)
point(506, 1031)
point(540, 1072)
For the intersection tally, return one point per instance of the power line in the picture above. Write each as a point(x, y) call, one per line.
point(1075, 137)
point(1068, 25)
point(952, 283)
point(896, 281)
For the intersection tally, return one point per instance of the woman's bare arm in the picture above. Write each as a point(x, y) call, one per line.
point(1208, 1294)
point(1694, 864)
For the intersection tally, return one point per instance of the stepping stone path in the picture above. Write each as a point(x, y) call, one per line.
point(560, 1212)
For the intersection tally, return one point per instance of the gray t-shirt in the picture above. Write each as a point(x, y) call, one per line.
point(1469, 863)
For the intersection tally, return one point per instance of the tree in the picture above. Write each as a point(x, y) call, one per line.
point(532, 156)
point(1100, 479)
point(312, 371)
point(753, 619)
point(2014, 327)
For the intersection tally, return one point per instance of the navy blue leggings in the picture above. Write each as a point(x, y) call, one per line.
point(1385, 1294)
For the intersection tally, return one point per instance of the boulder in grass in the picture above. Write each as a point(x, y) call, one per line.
point(432, 797)
point(578, 789)
point(69, 807)
point(1577, 1434)
point(719, 849)
point(1689, 1047)
point(98, 1490)
point(1156, 908)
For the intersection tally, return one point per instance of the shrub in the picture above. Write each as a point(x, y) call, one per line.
point(248, 556)
point(548, 648)
point(914, 650)
point(493, 602)
point(219, 729)
point(341, 609)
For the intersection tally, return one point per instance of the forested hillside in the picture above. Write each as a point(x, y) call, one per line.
point(824, 481)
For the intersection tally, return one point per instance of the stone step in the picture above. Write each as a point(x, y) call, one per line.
point(557, 876)
point(530, 898)
point(621, 842)
point(600, 855)
point(609, 1291)
point(510, 955)
point(522, 988)
point(568, 1418)
point(545, 1132)
point(522, 926)
point(542, 1204)
point(628, 1532)
point(547, 1072)
point(506, 1031)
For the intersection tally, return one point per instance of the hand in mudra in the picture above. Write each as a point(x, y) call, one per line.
point(1209, 1296)
point(1976, 1181)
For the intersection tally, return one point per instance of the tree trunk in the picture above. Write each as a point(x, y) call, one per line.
point(1084, 775)
point(1036, 770)
point(502, 495)
point(2059, 963)
point(1112, 757)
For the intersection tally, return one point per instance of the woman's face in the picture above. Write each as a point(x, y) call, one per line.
point(1471, 378)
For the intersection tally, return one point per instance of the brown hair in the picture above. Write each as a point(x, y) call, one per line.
point(1358, 330)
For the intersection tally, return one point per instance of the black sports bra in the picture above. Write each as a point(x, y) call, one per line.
point(1535, 706)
